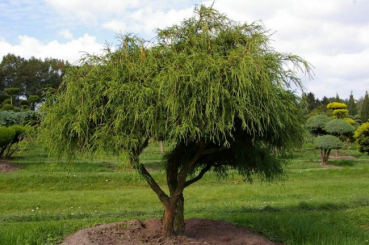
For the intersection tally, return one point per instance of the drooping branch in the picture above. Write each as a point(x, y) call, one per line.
point(199, 176)
point(154, 186)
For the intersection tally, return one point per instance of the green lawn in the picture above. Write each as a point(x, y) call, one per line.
point(48, 199)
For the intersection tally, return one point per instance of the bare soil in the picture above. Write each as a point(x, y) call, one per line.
point(198, 231)
point(7, 167)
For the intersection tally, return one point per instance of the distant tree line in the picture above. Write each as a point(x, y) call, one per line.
point(23, 82)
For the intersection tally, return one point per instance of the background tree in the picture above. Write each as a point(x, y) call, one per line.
point(213, 87)
point(351, 105)
point(32, 76)
point(325, 144)
point(339, 109)
point(365, 109)
point(362, 137)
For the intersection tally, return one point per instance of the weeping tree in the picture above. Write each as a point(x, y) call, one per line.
point(213, 87)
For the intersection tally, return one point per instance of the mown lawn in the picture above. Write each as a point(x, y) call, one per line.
point(47, 199)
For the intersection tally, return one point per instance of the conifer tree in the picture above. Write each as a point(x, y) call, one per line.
point(365, 109)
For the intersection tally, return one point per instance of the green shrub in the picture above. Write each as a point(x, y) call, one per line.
point(339, 127)
point(12, 91)
point(8, 118)
point(362, 137)
point(6, 102)
point(316, 124)
point(23, 102)
point(6, 136)
point(4, 97)
point(325, 144)
point(7, 107)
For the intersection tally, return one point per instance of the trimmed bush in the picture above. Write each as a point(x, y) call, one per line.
point(8, 118)
point(316, 124)
point(4, 97)
point(336, 105)
point(23, 102)
point(7, 107)
point(339, 127)
point(6, 136)
point(326, 143)
point(6, 102)
point(362, 138)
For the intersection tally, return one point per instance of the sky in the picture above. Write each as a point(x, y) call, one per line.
point(332, 35)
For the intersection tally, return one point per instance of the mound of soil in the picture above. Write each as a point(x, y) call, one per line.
point(198, 231)
point(7, 167)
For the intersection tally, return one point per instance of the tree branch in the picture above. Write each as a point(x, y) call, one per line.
point(154, 186)
point(199, 176)
point(214, 150)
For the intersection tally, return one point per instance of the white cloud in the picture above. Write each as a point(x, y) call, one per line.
point(71, 51)
point(66, 34)
point(116, 26)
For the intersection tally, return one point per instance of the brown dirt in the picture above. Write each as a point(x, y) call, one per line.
point(7, 167)
point(134, 232)
point(342, 157)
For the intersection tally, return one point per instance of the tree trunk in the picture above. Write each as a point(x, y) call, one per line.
point(173, 218)
point(168, 220)
point(161, 143)
point(179, 224)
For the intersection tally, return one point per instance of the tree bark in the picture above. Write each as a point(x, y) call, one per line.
point(161, 143)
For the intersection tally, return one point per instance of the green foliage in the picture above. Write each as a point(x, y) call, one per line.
point(23, 102)
point(351, 105)
point(340, 113)
point(8, 118)
point(365, 109)
point(12, 91)
point(9, 137)
point(7, 107)
point(4, 97)
point(316, 124)
point(336, 105)
point(328, 142)
point(212, 86)
point(339, 127)
point(34, 98)
point(362, 137)
point(6, 102)
point(6, 136)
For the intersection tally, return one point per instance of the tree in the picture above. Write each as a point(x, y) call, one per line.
point(362, 137)
point(211, 86)
point(351, 105)
point(365, 109)
point(316, 124)
point(325, 144)
point(339, 109)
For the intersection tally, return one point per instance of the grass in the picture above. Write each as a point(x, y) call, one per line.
point(48, 199)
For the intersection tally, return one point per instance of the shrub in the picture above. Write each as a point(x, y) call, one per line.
point(336, 105)
point(6, 102)
point(4, 97)
point(316, 124)
point(339, 127)
point(7, 107)
point(326, 143)
point(9, 138)
point(8, 118)
point(6, 136)
point(23, 102)
point(362, 138)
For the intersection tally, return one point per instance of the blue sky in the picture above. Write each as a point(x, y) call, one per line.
point(333, 35)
